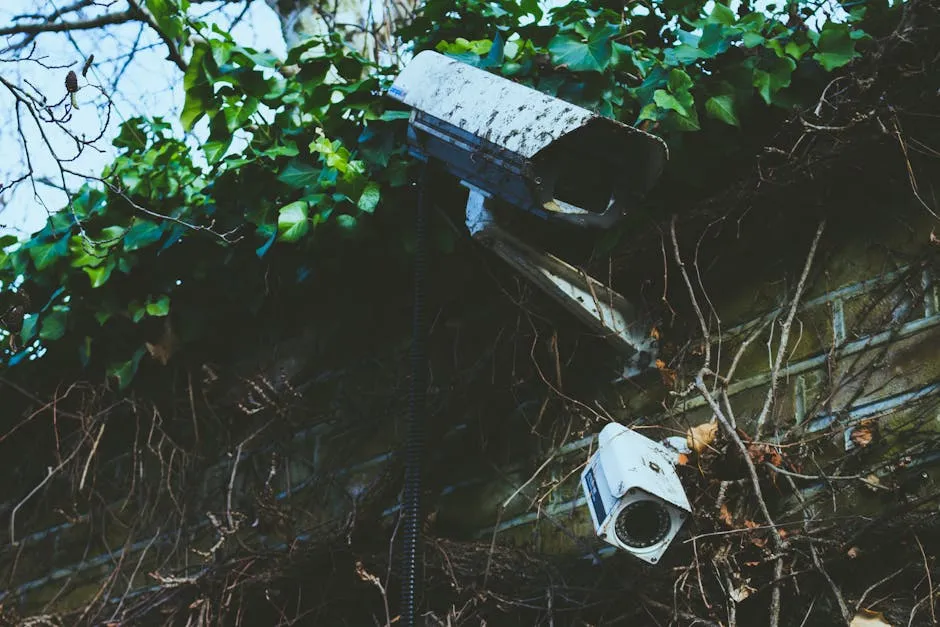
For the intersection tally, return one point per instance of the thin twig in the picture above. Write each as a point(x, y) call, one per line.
point(796, 475)
point(688, 284)
point(52, 472)
point(861, 601)
point(528, 481)
point(231, 481)
point(933, 613)
point(94, 447)
point(785, 332)
point(836, 592)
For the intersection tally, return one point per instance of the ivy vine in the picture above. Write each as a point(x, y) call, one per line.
point(305, 149)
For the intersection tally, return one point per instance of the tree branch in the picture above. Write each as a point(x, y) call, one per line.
point(785, 333)
point(172, 48)
point(107, 19)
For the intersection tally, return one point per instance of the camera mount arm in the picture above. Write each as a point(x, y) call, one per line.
point(605, 311)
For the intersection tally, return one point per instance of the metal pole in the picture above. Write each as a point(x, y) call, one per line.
point(414, 444)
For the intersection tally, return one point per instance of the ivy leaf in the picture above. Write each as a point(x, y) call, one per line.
point(750, 40)
point(136, 310)
point(100, 274)
point(164, 13)
point(836, 47)
point(796, 50)
point(346, 221)
point(215, 150)
point(715, 39)
point(220, 138)
point(159, 307)
point(590, 55)
point(292, 222)
point(132, 136)
point(370, 197)
point(84, 351)
point(299, 174)
point(28, 332)
point(199, 94)
point(679, 81)
point(391, 116)
point(193, 109)
point(124, 371)
point(269, 232)
point(494, 57)
point(45, 255)
point(665, 100)
point(142, 233)
point(53, 323)
point(722, 108)
point(777, 76)
point(287, 149)
point(721, 15)
point(686, 123)
point(264, 59)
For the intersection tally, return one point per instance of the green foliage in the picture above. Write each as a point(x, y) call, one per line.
point(302, 154)
point(661, 69)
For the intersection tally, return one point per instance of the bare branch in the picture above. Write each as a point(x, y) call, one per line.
point(785, 333)
point(107, 19)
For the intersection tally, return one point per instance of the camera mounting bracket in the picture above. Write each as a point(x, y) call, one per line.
point(605, 311)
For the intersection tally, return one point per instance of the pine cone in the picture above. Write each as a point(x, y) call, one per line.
point(71, 86)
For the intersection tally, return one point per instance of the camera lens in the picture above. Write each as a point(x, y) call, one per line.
point(642, 524)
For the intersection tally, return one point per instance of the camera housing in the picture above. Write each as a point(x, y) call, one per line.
point(636, 500)
point(529, 149)
point(513, 146)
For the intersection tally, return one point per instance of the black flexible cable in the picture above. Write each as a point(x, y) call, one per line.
point(414, 444)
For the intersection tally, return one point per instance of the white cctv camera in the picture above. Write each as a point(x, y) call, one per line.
point(526, 148)
point(636, 500)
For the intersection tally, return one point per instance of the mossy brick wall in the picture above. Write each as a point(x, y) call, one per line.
point(865, 346)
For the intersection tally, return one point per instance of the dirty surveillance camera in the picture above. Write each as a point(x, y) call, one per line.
point(636, 500)
point(524, 147)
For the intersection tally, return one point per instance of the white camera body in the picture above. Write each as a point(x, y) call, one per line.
point(636, 500)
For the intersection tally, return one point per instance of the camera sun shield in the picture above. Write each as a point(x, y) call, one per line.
point(529, 149)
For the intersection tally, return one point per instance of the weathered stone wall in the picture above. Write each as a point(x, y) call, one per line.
point(864, 347)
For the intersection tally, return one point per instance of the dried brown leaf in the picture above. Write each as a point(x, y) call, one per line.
point(165, 347)
point(758, 542)
point(868, 618)
point(700, 437)
point(724, 514)
point(668, 375)
point(742, 592)
point(872, 481)
point(760, 453)
point(863, 434)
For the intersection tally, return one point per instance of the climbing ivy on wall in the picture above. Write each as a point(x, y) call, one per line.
point(305, 156)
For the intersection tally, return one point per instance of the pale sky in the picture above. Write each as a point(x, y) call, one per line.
point(149, 85)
